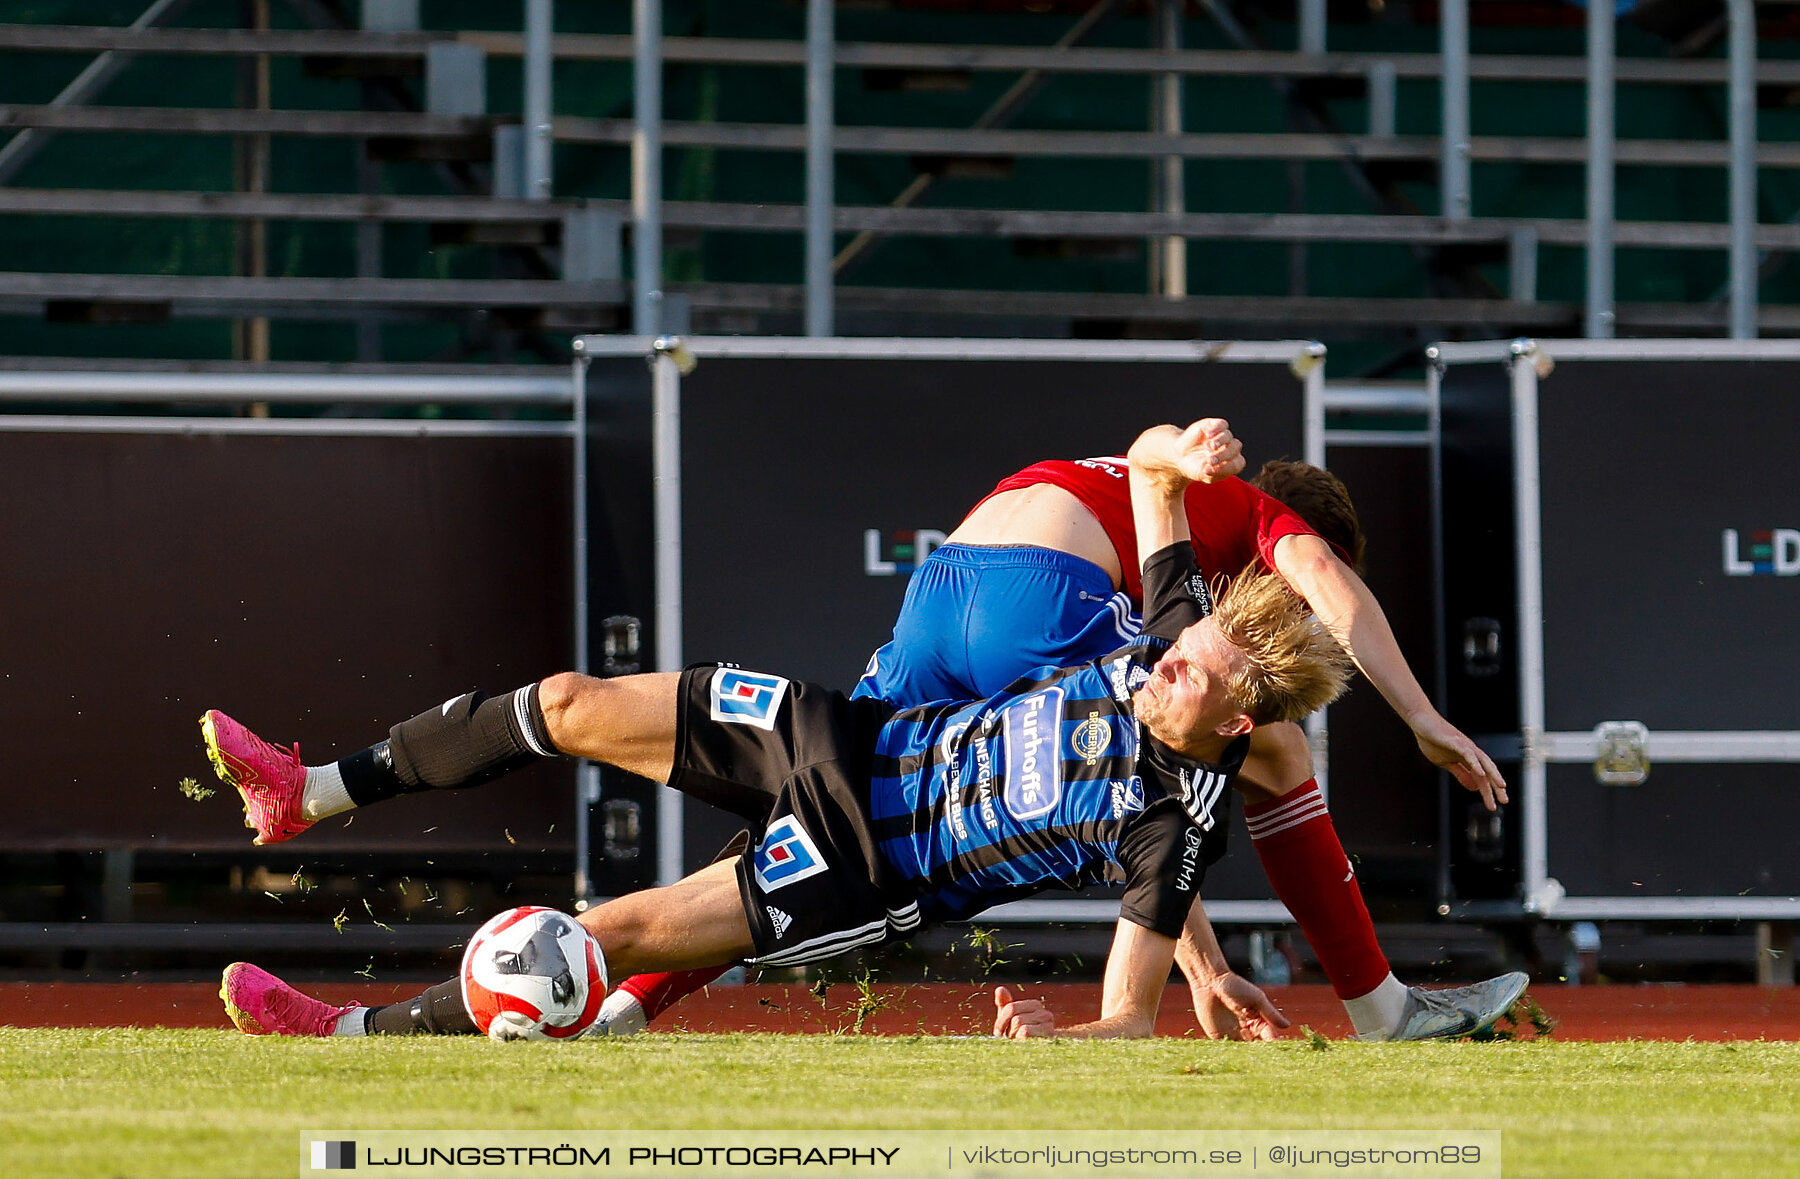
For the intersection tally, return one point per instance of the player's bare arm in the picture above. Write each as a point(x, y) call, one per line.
point(1204, 452)
point(1228, 1006)
point(1164, 460)
point(1344, 604)
point(1137, 969)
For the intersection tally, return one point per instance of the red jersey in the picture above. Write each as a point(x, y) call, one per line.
point(1233, 524)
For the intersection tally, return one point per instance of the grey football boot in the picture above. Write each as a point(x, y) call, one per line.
point(1455, 1011)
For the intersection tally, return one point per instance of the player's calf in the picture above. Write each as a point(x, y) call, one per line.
point(466, 741)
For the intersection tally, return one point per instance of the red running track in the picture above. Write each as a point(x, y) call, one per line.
point(1582, 1013)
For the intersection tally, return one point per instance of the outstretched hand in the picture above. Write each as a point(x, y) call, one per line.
point(1231, 1007)
point(1446, 747)
point(1021, 1019)
point(1206, 452)
point(1210, 451)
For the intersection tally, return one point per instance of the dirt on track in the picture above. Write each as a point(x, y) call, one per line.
point(1582, 1013)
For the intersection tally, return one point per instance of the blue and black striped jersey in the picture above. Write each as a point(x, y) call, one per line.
point(1051, 781)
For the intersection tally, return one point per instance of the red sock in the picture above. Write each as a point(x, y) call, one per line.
point(657, 992)
point(1299, 849)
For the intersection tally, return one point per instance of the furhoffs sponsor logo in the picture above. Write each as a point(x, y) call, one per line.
point(1770, 552)
point(334, 1156)
point(890, 554)
point(1033, 754)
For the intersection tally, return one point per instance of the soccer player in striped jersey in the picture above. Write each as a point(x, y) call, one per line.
point(1044, 572)
point(871, 821)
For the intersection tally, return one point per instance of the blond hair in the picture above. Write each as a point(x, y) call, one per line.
point(1293, 667)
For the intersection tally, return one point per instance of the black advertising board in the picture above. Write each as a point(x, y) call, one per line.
point(1689, 830)
point(621, 582)
point(1480, 851)
point(812, 484)
point(1383, 793)
point(1671, 539)
point(318, 588)
point(1654, 560)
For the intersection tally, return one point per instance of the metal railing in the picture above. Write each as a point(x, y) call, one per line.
point(821, 140)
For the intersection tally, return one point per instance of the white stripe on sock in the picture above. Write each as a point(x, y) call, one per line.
point(1288, 803)
point(1310, 806)
point(1299, 821)
point(522, 711)
point(1314, 806)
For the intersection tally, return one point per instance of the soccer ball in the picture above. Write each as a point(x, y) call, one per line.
point(533, 973)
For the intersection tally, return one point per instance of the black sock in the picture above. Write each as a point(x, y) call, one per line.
point(369, 775)
point(467, 741)
point(437, 1012)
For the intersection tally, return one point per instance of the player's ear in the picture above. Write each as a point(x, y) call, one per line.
point(1236, 725)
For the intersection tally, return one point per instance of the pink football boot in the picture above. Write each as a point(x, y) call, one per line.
point(271, 780)
point(262, 1005)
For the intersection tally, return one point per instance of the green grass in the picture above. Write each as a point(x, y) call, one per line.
point(203, 1103)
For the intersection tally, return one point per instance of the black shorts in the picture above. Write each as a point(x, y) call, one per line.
point(795, 760)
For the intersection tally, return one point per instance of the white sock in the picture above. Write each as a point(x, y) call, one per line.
point(1378, 1012)
point(620, 1015)
point(351, 1023)
point(325, 794)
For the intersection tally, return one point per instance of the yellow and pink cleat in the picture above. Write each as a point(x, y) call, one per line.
point(271, 780)
point(262, 1005)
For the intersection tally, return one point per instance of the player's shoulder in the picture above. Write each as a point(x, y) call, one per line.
point(1127, 669)
point(1198, 787)
point(1222, 493)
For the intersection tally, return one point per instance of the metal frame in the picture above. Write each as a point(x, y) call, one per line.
point(821, 195)
point(668, 355)
point(1742, 102)
point(646, 166)
point(1601, 147)
point(949, 348)
point(1079, 912)
point(1456, 145)
point(1527, 362)
point(895, 55)
point(539, 136)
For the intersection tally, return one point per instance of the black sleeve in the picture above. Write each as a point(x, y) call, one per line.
point(1161, 853)
point(1175, 592)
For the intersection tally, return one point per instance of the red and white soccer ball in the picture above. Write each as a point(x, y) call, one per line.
point(533, 973)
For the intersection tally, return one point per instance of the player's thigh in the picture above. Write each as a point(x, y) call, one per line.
point(697, 921)
point(627, 722)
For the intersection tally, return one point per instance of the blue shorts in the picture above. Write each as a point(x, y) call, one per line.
point(976, 618)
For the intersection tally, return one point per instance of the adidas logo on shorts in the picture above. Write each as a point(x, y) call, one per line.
point(780, 920)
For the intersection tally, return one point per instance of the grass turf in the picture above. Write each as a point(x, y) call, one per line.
point(130, 1102)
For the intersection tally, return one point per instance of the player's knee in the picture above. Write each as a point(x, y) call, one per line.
point(620, 928)
point(559, 697)
point(605, 931)
point(1280, 761)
